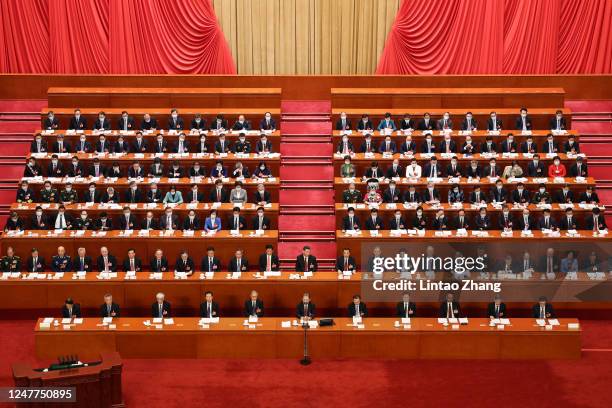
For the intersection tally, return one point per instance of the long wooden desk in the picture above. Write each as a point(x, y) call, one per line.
point(29, 296)
point(379, 338)
point(146, 159)
point(118, 243)
point(467, 185)
point(478, 137)
point(386, 213)
point(151, 137)
point(26, 211)
point(540, 117)
point(362, 162)
point(447, 97)
point(160, 97)
point(81, 184)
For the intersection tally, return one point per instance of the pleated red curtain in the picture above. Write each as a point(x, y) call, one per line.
point(112, 36)
point(499, 37)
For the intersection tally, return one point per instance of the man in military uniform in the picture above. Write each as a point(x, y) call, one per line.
point(48, 194)
point(68, 195)
point(84, 222)
point(242, 145)
point(61, 262)
point(25, 193)
point(10, 262)
point(541, 196)
point(352, 195)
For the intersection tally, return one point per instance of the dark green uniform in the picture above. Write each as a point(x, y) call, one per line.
point(10, 263)
point(68, 196)
point(352, 197)
point(49, 196)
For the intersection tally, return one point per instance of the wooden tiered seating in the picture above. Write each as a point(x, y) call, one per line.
point(391, 98)
point(127, 98)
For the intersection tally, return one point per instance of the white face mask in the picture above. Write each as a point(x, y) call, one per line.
point(343, 117)
point(344, 139)
point(54, 161)
point(198, 120)
point(213, 216)
point(92, 189)
point(83, 217)
point(39, 213)
point(446, 116)
point(83, 139)
point(68, 188)
point(469, 116)
point(542, 190)
point(268, 116)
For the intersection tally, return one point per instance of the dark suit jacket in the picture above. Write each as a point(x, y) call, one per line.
point(248, 308)
point(163, 264)
point(265, 222)
point(347, 125)
point(87, 265)
point(275, 262)
point(363, 310)
point(133, 223)
point(151, 124)
point(519, 123)
point(104, 125)
point(352, 265)
point(214, 309)
point(51, 123)
point(181, 266)
point(40, 264)
point(491, 310)
point(180, 124)
point(137, 264)
point(300, 265)
point(76, 311)
point(114, 309)
point(346, 223)
point(216, 265)
point(112, 261)
point(80, 124)
point(548, 309)
point(143, 147)
point(443, 309)
point(43, 147)
point(265, 126)
point(309, 312)
point(233, 265)
point(130, 123)
point(165, 308)
point(401, 310)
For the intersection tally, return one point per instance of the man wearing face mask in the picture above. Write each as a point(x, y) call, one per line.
point(168, 221)
point(38, 145)
point(97, 169)
point(407, 123)
point(558, 121)
point(68, 195)
point(14, 223)
point(242, 145)
point(494, 123)
point(125, 122)
point(149, 222)
point(135, 171)
point(32, 169)
point(103, 223)
point(506, 220)
point(191, 222)
point(139, 145)
point(426, 123)
point(83, 146)
point(121, 146)
point(392, 194)
point(395, 170)
point(48, 194)
point(408, 147)
point(161, 146)
point(148, 123)
point(536, 168)
point(365, 123)
point(220, 123)
point(102, 123)
point(181, 145)
point(62, 220)
point(509, 145)
point(83, 222)
point(550, 146)
point(51, 122)
point(75, 169)
point(218, 171)
point(241, 124)
point(428, 146)
point(103, 145)
point(133, 194)
point(92, 195)
point(25, 194)
point(198, 123)
point(175, 122)
point(60, 145)
point(222, 145)
point(523, 122)
point(469, 123)
point(154, 195)
point(447, 145)
point(521, 194)
point(260, 221)
point(77, 122)
point(157, 168)
point(219, 194)
point(343, 122)
point(39, 220)
point(445, 123)
point(196, 170)
point(541, 196)
point(528, 146)
point(267, 123)
point(263, 145)
point(345, 146)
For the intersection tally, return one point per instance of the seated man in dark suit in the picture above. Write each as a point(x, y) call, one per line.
point(406, 308)
point(568, 221)
point(35, 262)
point(175, 122)
point(579, 169)
point(494, 123)
point(268, 261)
point(132, 263)
point(547, 222)
point(82, 261)
point(61, 262)
point(565, 195)
point(346, 262)
point(209, 308)
point(392, 194)
point(365, 123)
point(305, 310)
point(461, 220)
point(450, 308)
point(596, 221)
point(558, 121)
point(254, 305)
point(357, 307)
point(77, 122)
point(60, 145)
point(523, 122)
point(427, 123)
point(71, 309)
point(220, 123)
point(482, 220)
point(159, 263)
point(536, 168)
point(102, 122)
point(106, 262)
point(469, 123)
point(306, 262)
point(51, 122)
point(149, 222)
point(184, 264)
point(496, 309)
point(238, 263)
point(267, 123)
point(198, 123)
point(543, 309)
point(210, 263)
point(571, 146)
point(260, 221)
point(528, 146)
point(350, 222)
point(160, 308)
point(109, 308)
point(125, 122)
point(82, 146)
point(241, 124)
point(38, 145)
point(368, 145)
point(521, 194)
point(343, 123)
point(374, 222)
point(550, 146)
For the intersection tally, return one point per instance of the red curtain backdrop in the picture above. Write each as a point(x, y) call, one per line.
point(24, 36)
point(195, 44)
point(112, 36)
point(500, 37)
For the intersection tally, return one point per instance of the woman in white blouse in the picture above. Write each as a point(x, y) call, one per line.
point(414, 170)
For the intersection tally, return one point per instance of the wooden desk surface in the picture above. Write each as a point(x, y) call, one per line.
point(131, 157)
point(478, 134)
point(439, 236)
point(129, 136)
point(484, 182)
point(445, 91)
point(125, 90)
point(500, 157)
point(378, 337)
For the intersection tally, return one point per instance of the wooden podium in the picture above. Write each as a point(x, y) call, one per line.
point(96, 386)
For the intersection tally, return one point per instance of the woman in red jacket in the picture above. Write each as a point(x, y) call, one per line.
point(557, 169)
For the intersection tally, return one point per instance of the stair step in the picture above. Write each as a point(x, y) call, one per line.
point(306, 139)
point(306, 128)
point(306, 106)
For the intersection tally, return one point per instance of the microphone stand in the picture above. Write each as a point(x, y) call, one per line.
point(306, 358)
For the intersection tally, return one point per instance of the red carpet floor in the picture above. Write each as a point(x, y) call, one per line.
point(590, 106)
point(354, 383)
point(22, 105)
